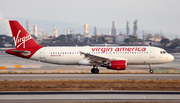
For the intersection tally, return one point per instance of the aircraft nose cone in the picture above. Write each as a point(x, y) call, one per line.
point(171, 58)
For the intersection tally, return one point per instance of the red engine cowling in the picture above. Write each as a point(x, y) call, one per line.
point(117, 65)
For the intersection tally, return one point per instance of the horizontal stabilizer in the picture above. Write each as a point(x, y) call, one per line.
point(20, 51)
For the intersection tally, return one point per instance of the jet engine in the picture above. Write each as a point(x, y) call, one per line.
point(117, 65)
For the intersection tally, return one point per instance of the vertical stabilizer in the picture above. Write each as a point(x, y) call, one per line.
point(22, 39)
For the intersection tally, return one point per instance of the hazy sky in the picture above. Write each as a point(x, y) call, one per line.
point(152, 15)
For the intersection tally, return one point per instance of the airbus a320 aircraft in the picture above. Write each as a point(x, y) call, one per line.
point(116, 58)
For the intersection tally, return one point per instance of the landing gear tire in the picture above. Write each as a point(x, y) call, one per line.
point(151, 71)
point(92, 70)
point(95, 70)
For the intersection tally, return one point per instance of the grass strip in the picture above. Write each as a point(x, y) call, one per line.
point(65, 85)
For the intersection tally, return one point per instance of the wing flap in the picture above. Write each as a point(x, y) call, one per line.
point(95, 58)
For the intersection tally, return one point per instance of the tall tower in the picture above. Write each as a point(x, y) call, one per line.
point(144, 35)
point(55, 32)
point(113, 29)
point(127, 28)
point(94, 30)
point(109, 33)
point(69, 31)
point(35, 30)
point(136, 29)
point(27, 25)
point(97, 32)
point(43, 33)
point(86, 30)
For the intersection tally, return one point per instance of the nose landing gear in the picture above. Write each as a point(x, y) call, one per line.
point(151, 70)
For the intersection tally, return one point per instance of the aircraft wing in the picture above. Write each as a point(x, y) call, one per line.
point(95, 58)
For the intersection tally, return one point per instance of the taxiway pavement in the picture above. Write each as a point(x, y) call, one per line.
point(91, 96)
point(87, 76)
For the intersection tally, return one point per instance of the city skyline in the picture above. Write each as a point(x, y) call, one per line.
point(154, 15)
point(86, 30)
point(54, 32)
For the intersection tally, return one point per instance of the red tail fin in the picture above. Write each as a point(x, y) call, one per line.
point(22, 39)
point(26, 46)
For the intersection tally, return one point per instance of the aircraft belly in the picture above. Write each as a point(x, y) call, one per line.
point(134, 60)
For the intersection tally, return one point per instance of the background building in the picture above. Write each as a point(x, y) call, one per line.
point(86, 30)
point(69, 31)
point(136, 29)
point(55, 31)
point(44, 33)
point(109, 33)
point(144, 35)
point(127, 28)
point(27, 25)
point(35, 30)
point(113, 30)
point(96, 32)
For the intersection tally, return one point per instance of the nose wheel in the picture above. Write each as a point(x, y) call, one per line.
point(94, 70)
point(151, 70)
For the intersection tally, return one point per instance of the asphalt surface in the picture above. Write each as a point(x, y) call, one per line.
point(81, 76)
point(91, 96)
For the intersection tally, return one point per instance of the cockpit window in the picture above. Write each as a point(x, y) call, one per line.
point(163, 52)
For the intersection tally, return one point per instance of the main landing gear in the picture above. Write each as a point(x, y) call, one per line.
point(95, 70)
point(150, 71)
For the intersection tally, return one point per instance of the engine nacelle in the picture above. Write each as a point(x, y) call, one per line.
point(117, 65)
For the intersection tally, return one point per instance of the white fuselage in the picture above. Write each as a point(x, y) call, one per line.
point(141, 55)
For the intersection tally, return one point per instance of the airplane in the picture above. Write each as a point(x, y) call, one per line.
point(115, 58)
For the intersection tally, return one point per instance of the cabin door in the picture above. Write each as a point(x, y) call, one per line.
point(152, 53)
